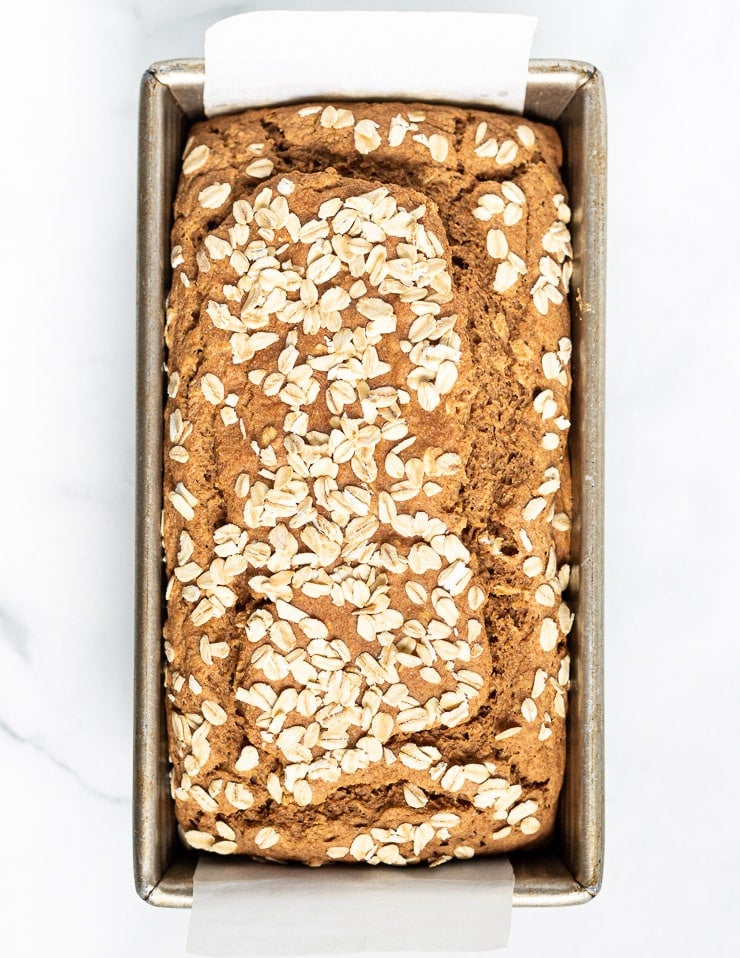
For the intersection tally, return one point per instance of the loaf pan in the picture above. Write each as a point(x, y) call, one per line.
point(570, 95)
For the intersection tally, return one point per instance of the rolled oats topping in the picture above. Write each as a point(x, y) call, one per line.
point(336, 118)
point(367, 137)
point(525, 135)
point(260, 168)
point(196, 159)
point(335, 588)
point(214, 196)
point(507, 153)
point(555, 268)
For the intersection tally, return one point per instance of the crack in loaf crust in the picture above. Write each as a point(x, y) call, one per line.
point(367, 494)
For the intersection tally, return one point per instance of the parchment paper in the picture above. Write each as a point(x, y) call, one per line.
point(266, 57)
point(244, 908)
point(251, 908)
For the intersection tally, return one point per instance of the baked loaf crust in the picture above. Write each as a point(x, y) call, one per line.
point(367, 495)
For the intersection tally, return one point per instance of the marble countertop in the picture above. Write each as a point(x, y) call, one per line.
point(66, 633)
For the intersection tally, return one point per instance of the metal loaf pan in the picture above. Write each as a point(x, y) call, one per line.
point(571, 95)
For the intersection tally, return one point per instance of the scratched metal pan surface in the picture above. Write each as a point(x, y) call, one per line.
point(569, 871)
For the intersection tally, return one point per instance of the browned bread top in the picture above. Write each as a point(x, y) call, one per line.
point(366, 483)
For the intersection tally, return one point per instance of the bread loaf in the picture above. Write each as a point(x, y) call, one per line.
point(366, 516)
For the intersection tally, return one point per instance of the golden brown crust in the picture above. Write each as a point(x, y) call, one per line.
point(303, 727)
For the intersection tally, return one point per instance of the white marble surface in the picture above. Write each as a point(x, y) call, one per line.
point(67, 399)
